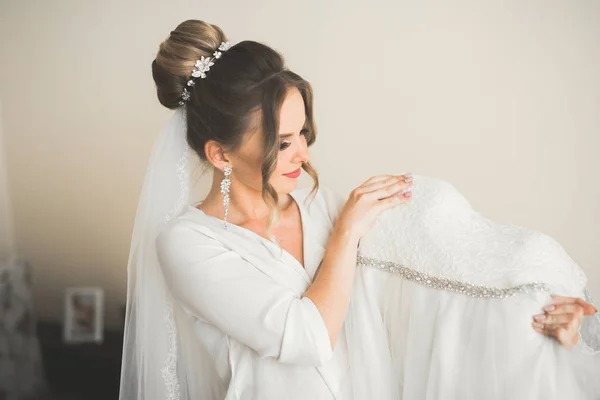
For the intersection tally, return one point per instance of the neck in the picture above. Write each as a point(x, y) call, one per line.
point(245, 203)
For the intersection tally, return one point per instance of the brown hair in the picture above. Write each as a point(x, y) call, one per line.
point(247, 78)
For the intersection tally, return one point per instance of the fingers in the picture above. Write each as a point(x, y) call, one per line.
point(404, 180)
point(367, 201)
point(376, 178)
point(395, 189)
point(570, 323)
point(560, 314)
point(570, 308)
point(588, 309)
point(560, 319)
point(563, 318)
point(384, 188)
point(562, 322)
point(544, 330)
point(393, 201)
point(564, 336)
point(379, 178)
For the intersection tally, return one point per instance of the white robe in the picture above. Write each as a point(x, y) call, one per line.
point(243, 295)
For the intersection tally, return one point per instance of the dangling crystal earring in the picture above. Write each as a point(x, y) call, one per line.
point(225, 186)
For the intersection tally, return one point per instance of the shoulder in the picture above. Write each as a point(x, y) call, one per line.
point(183, 233)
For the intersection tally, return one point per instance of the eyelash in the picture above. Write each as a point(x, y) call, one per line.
point(285, 145)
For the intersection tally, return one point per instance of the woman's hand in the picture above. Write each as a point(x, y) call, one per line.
point(331, 289)
point(370, 199)
point(562, 319)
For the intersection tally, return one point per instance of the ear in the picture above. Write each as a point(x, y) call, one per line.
point(216, 155)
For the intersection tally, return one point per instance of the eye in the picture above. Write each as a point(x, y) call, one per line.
point(284, 145)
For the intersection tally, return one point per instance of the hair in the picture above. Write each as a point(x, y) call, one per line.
point(248, 78)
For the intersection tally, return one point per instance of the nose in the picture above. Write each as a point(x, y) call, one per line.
point(302, 154)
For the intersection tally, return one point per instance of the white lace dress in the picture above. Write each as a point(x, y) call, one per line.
point(457, 293)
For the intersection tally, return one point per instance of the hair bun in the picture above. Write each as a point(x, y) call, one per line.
point(174, 62)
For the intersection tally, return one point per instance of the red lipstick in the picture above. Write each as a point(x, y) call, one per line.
point(294, 174)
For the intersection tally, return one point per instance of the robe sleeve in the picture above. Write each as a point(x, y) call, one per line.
point(217, 285)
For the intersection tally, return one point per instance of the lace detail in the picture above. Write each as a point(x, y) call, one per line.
point(450, 285)
point(438, 233)
point(184, 189)
point(590, 328)
point(169, 370)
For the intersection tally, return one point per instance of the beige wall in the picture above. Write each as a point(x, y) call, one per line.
point(7, 236)
point(499, 97)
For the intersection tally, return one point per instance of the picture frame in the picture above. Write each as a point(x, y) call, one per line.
point(84, 315)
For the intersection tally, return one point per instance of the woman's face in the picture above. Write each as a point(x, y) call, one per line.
point(293, 151)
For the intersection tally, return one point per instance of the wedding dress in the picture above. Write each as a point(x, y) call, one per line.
point(457, 293)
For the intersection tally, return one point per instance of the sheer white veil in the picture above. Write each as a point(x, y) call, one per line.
point(154, 350)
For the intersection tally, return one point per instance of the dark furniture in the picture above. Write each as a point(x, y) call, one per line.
point(80, 371)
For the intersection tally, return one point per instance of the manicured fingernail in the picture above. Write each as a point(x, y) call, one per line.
point(408, 179)
point(539, 318)
point(549, 308)
point(537, 325)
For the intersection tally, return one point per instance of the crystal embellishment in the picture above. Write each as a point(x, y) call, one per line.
point(185, 96)
point(201, 67)
point(225, 186)
point(224, 46)
point(450, 285)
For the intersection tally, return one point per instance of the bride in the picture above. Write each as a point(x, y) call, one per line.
point(266, 291)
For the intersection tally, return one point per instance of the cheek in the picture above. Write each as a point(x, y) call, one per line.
point(283, 184)
point(248, 172)
point(282, 165)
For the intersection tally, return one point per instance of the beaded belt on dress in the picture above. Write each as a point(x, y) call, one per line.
point(451, 285)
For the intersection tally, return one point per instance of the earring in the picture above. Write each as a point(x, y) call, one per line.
point(225, 186)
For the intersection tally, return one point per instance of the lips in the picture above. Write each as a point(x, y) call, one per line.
point(294, 174)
